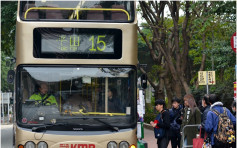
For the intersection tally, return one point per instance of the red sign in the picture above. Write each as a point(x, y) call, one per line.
point(234, 90)
point(77, 146)
point(233, 42)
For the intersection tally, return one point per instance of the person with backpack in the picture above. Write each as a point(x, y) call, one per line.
point(174, 131)
point(219, 124)
point(233, 106)
point(161, 124)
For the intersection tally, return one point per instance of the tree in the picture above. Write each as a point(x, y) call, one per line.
point(165, 48)
point(182, 45)
point(8, 25)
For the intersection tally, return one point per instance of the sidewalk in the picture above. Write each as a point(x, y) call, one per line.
point(149, 137)
point(6, 120)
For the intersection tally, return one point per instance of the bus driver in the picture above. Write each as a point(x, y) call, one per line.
point(43, 97)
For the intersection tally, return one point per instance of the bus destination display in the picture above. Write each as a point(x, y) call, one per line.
point(51, 41)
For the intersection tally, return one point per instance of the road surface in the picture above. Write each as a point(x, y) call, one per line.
point(150, 138)
point(6, 136)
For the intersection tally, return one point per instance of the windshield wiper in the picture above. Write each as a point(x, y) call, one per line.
point(46, 126)
point(97, 119)
point(114, 128)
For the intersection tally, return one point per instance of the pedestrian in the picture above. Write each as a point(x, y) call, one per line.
point(174, 131)
point(192, 116)
point(214, 127)
point(233, 106)
point(206, 108)
point(162, 142)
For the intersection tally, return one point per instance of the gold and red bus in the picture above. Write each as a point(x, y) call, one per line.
point(85, 53)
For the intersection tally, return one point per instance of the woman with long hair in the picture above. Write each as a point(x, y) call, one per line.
point(192, 115)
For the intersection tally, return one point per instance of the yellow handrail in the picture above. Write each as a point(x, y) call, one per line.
point(99, 113)
point(77, 9)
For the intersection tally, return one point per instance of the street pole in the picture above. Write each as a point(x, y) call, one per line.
point(8, 98)
point(2, 110)
point(207, 82)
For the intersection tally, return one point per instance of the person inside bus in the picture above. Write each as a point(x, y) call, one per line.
point(42, 97)
point(114, 104)
point(76, 102)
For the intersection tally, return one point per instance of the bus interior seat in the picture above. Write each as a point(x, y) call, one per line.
point(118, 15)
point(32, 14)
point(53, 14)
point(95, 14)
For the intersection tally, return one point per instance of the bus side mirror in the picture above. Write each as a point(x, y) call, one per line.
point(10, 76)
point(144, 81)
point(11, 100)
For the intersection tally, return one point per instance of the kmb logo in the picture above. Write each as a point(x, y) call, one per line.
point(77, 146)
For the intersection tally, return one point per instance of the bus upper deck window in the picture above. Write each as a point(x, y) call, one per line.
point(118, 15)
point(53, 13)
point(32, 14)
point(95, 14)
point(113, 11)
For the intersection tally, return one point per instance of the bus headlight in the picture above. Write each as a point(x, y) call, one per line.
point(30, 144)
point(42, 145)
point(123, 144)
point(112, 144)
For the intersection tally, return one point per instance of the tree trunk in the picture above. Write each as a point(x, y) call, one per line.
point(169, 92)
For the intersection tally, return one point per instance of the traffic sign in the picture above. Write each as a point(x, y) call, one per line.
point(233, 42)
point(206, 76)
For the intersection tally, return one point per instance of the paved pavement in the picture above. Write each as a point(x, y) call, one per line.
point(150, 139)
point(6, 136)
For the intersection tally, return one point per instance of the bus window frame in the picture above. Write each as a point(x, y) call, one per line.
point(18, 87)
point(132, 18)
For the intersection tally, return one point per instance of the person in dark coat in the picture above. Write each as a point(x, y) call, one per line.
point(211, 124)
point(192, 116)
point(160, 107)
point(233, 106)
point(174, 131)
point(114, 104)
point(206, 107)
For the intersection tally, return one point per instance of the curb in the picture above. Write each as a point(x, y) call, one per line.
point(148, 126)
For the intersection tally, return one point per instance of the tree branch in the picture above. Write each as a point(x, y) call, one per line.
point(152, 52)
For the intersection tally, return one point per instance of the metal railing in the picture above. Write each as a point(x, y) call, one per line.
point(193, 125)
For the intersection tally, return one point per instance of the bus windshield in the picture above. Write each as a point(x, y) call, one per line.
point(76, 96)
point(77, 10)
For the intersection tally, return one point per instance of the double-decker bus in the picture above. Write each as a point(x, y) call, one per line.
point(76, 80)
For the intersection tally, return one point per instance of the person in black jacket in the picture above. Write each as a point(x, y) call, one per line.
point(206, 106)
point(114, 104)
point(174, 131)
point(233, 106)
point(160, 107)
